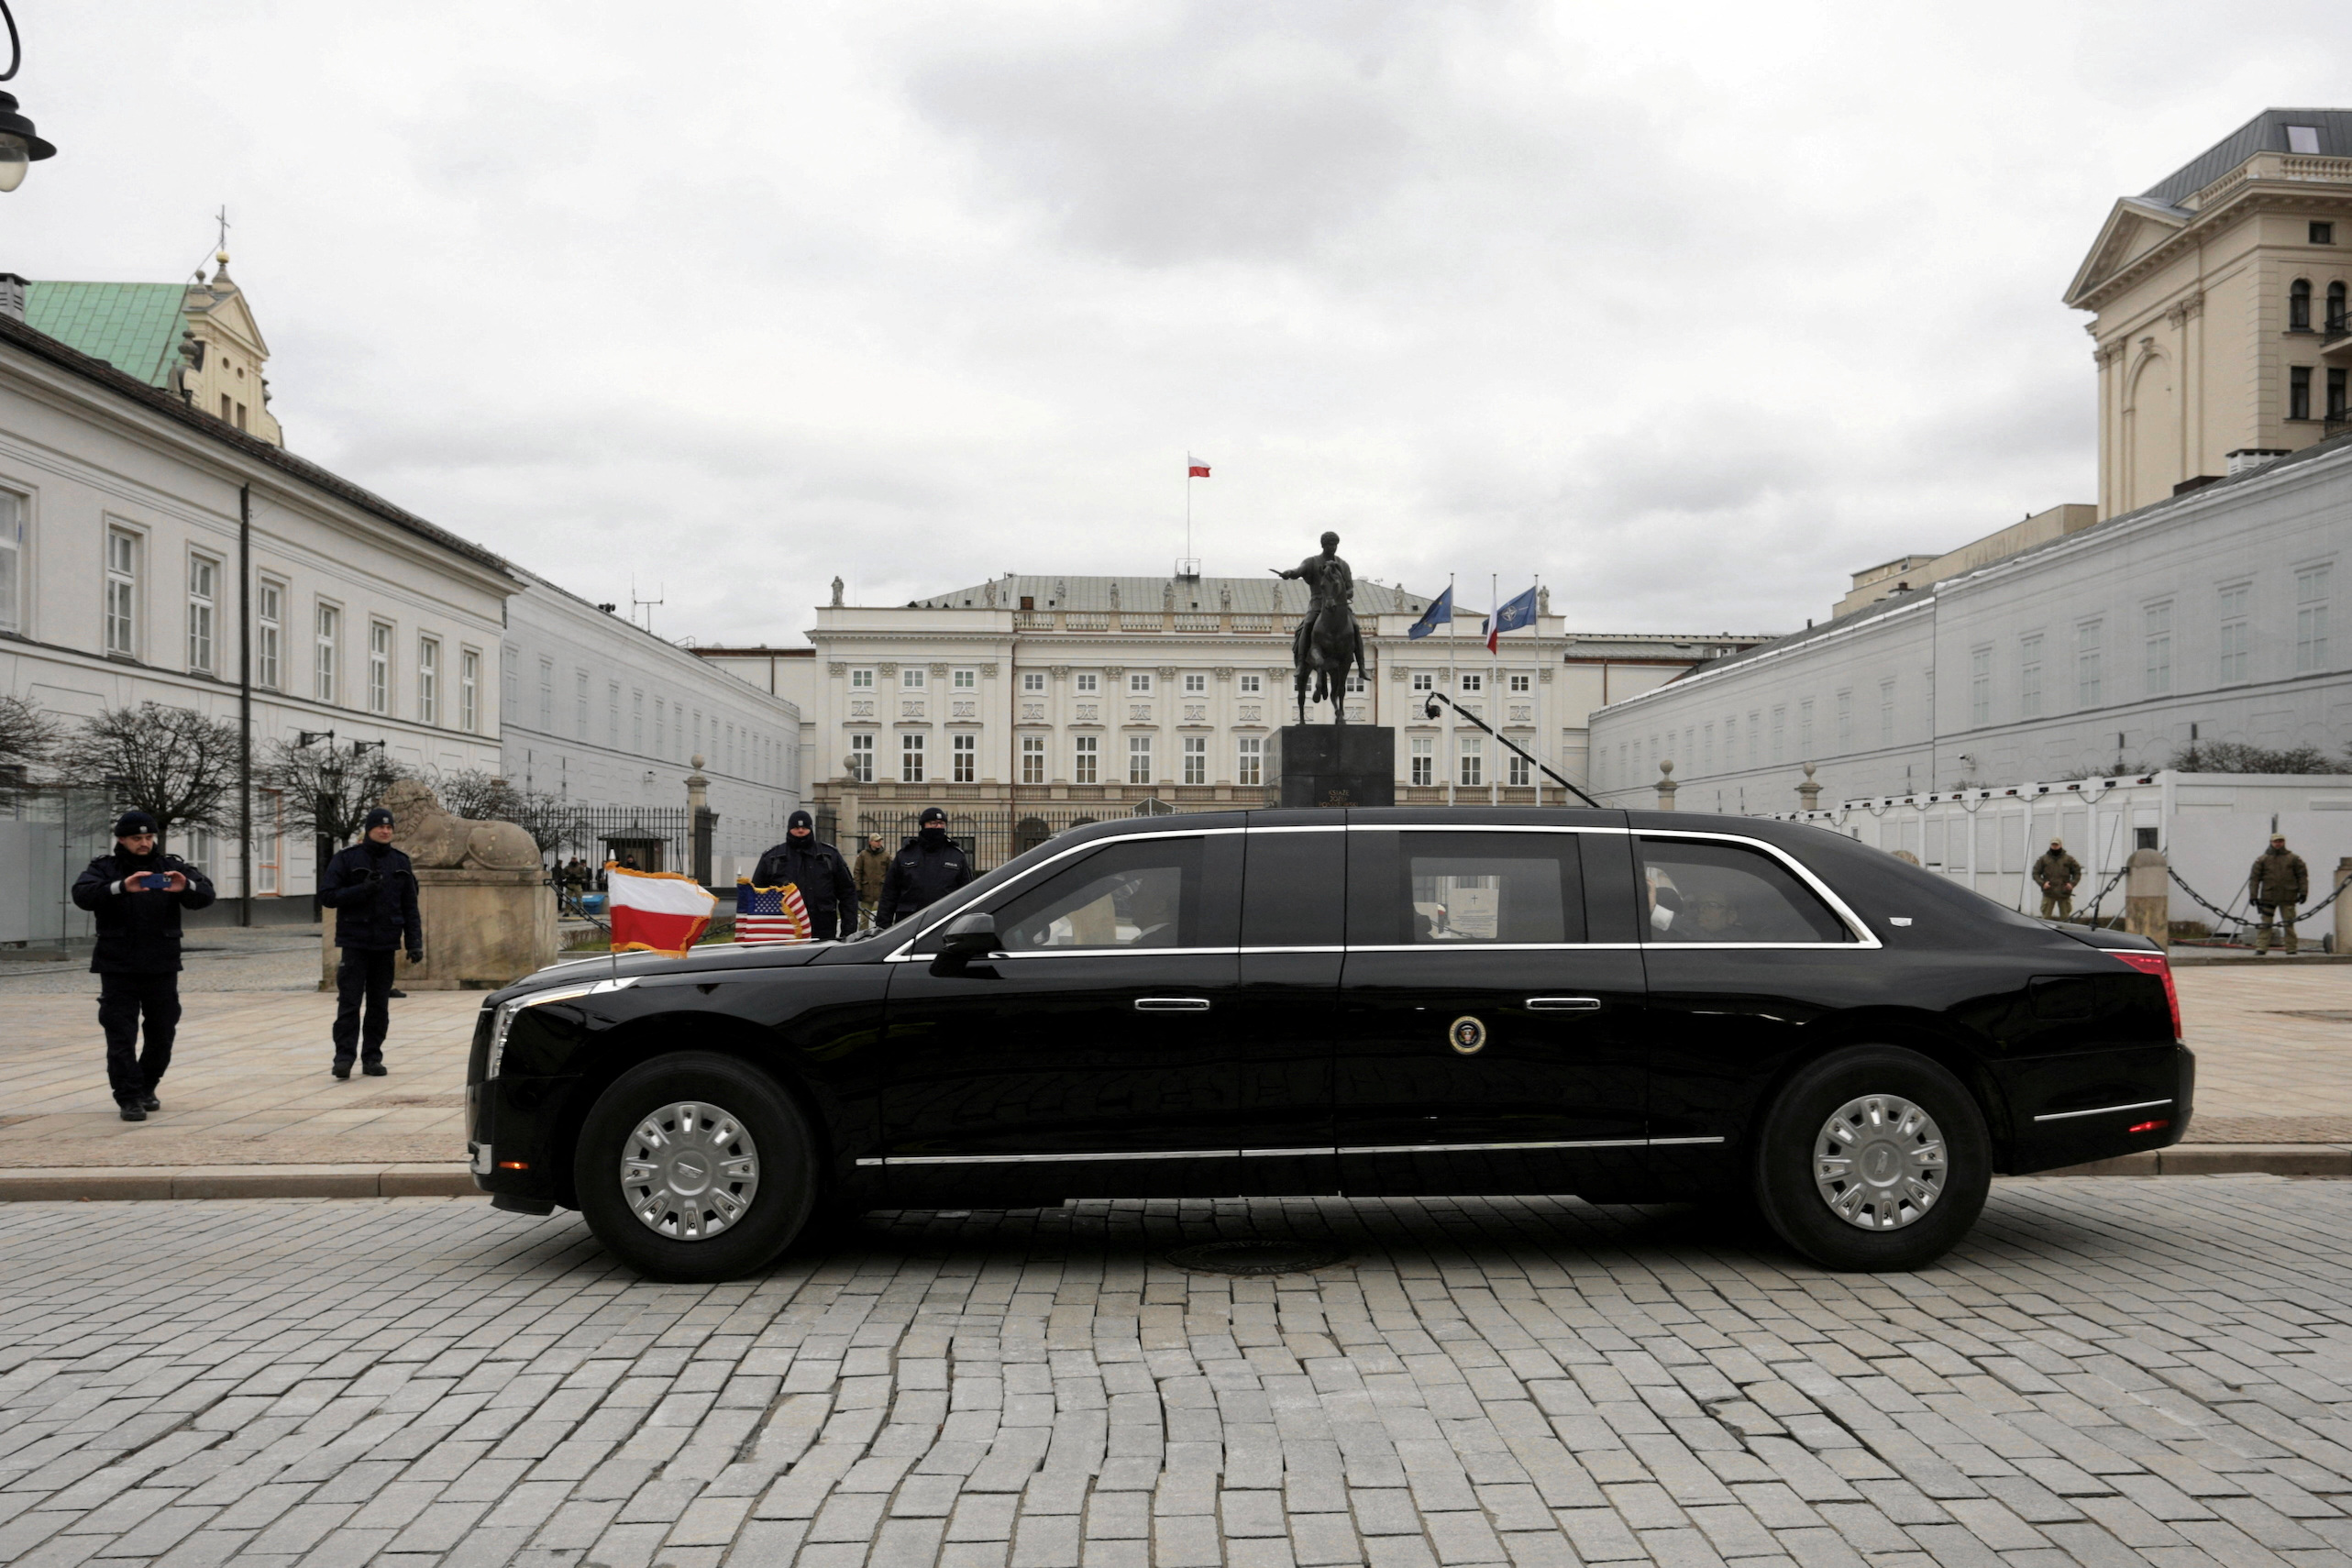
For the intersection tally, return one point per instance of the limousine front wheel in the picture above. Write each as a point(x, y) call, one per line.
point(695, 1167)
point(1873, 1158)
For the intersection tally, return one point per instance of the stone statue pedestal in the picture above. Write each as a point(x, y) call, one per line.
point(1334, 765)
point(483, 930)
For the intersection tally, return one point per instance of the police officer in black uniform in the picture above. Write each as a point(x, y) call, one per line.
point(817, 869)
point(928, 867)
point(372, 891)
point(137, 894)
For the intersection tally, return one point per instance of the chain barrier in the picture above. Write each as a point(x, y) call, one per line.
point(2100, 895)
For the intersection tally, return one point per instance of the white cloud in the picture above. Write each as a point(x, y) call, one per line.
point(1692, 309)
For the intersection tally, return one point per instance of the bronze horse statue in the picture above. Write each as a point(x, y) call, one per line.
point(1330, 646)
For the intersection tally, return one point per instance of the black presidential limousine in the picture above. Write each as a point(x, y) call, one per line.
point(1629, 1006)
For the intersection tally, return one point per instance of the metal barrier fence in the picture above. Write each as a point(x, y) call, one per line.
point(650, 838)
point(994, 836)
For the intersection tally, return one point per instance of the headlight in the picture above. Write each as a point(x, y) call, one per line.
point(507, 1009)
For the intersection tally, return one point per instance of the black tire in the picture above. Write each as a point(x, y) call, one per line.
point(1794, 1201)
point(779, 1144)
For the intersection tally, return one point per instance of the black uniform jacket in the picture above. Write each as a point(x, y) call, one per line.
point(379, 914)
point(138, 934)
point(817, 869)
point(923, 871)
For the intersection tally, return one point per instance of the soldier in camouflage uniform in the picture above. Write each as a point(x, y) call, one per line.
point(2056, 874)
point(2278, 882)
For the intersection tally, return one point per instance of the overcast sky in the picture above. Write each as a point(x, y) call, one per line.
point(1690, 310)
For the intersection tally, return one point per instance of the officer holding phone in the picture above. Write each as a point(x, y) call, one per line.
point(372, 891)
point(137, 894)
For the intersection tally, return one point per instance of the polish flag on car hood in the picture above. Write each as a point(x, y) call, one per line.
point(657, 911)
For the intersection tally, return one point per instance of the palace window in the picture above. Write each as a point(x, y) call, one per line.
point(1472, 773)
point(2299, 305)
point(1425, 680)
point(1424, 761)
point(1196, 759)
point(1195, 685)
point(2156, 626)
point(1139, 683)
point(2323, 233)
point(2299, 391)
point(12, 561)
point(861, 680)
point(1089, 683)
point(1522, 683)
point(1032, 681)
point(910, 758)
point(328, 651)
point(122, 592)
point(1252, 685)
point(580, 704)
point(2335, 319)
point(1033, 759)
point(1979, 687)
point(911, 677)
point(380, 635)
point(2088, 686)
point(1473, 682)
point(1086, 759)
point(469, 695)
point(966, 680)
point(269, 631)
point(1250, 754)
point(1139, 759)
point(2236, 638)
point(965, 751)
point(2311, 620)
point(203, 594)
point(2029, 676)
point(1522, 773)
point(861, 758)
point(429, 681)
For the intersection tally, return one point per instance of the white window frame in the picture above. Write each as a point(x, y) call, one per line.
point(1249, 754)
point(914, 678)
point(1196, 759)
point(1979, 686)
point(2233, 642)
point(964, 757)
point(469, 689)
point(16, 508)
point(1139, 759)
point(1089, 683)
point(122, 626)
point(1196, 684)
point(380, 680)
point(428, 681)
point(1470, 762)
point(1425, 680)
point(1139, 683)
point(1086, 759)
point(1032, 681)
point(580, 704)
point(2311, 597)
point(964, 680)
point(861, 757)
point(268, 632)
point(1252, 685)
point(913, 756)
point(1520, 774)
point(2029, 676)
point(2090, 664)
point(861, 680)
point(2155, 633)
point(1472, 680)
point(1522, 683)
point(1421, 769)
point(203, 612)
point(1033, 759)
point(326, 652)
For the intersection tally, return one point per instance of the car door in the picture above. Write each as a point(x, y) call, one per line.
point(1745, 949)
point(1284, 1026)
point(1089, 1056)
point(1491, 1018)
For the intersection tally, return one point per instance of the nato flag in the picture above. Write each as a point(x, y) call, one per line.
point(1519, 612)
point(1439, 611)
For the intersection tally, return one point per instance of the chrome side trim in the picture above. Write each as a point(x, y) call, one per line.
point(2102, 1110)
point(1171, 1004)
point(1563, 1004)
point(1274, 1153)
point(1864, 936)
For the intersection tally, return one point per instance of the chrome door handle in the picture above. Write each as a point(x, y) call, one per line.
point(1171, 1004)
point(1563, 1004)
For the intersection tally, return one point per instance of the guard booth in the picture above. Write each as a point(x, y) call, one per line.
point(641, 850)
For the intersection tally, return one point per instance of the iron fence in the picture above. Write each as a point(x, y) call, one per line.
point(649, 838)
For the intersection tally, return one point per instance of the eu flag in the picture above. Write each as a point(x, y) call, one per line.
point(1439, 611)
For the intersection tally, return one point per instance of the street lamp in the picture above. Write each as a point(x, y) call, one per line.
point(19, 148)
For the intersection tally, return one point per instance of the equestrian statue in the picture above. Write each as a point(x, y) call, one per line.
point(1328, 642)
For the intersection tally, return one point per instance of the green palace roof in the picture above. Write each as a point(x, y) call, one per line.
point(132, 326)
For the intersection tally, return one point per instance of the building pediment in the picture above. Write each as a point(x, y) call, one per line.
point(226, 310)
point(2134, 227)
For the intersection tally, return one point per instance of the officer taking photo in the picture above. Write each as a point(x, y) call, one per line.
point(817, 869)
point(137, 894)
point(372, 891)
point(928, 867)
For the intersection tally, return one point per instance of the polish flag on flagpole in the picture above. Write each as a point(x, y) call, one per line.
point(656, 911)
point(1195, 469)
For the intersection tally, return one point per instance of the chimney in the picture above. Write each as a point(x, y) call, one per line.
point(12, 296)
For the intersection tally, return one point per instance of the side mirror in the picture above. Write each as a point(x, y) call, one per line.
point(968, 938)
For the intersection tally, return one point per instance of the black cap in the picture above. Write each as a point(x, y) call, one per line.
point(931, 814)
point(133, 821)
point(800, 820)
point(378, 816)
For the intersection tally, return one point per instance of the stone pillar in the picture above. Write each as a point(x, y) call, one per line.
point(1808, 794)
point(1666, 786)
point(483, 930)
point(2344, 907)
point(2148, 897)
point(698, 820)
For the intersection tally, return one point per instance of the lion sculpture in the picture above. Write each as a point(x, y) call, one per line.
point(437, 840)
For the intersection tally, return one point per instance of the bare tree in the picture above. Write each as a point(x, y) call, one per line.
point(176, 765)
point(327, 789)
point(546, 816)
point(474, 793)
point(28, 736)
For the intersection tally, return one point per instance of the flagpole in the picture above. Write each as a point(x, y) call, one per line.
point(1494, 682)
point(1453, 690)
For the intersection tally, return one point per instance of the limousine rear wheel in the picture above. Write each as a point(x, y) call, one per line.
point(1873, 1158)
point(695, 1167)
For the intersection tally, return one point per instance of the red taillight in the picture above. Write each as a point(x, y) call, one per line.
point(2147, 1126)
point(514, 1165)
point(2157, 965)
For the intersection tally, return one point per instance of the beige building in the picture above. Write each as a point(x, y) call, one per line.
point(196, 340)
point(1102, 693)
point(2219, 297)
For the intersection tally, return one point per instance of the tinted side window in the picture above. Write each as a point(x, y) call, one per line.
point(1467, 889)
point(1295, 890)
point(1140, 894)
point(1694, 890)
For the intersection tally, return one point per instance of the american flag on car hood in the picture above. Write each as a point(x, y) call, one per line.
point(769, 914)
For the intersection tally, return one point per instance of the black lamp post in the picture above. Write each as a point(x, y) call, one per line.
point(330, 808)
point(19, 148)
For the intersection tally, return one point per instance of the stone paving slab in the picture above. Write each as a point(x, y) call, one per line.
point(2107, 1371)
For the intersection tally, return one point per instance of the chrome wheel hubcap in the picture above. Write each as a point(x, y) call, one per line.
point(1878, 1162)
point(690, 1171)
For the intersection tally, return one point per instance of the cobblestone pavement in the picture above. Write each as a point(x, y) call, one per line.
point(2110, 1371)
point(248, 1082)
